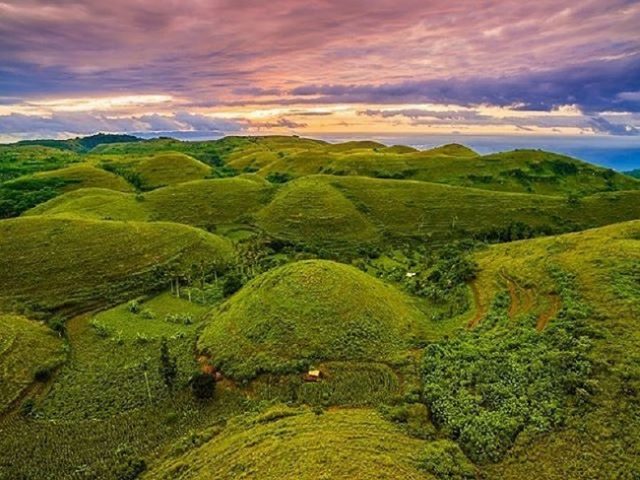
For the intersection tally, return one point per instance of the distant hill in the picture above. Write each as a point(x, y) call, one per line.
point(82, 144)
point(633, 173)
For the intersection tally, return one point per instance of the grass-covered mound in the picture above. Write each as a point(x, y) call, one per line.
point(85, 176)
point(312, 211)
point(208, 203)
point(94, 203)
point(306, 312)
point(169, 169)
point(29, 351)
point(27, 191)
point(50, 264)
point(284, 443)
point(440, 212)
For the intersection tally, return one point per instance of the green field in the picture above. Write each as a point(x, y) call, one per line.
point(279, 307)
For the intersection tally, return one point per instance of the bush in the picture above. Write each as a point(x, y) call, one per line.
point(203, 386)
point(232, 283)
point(278, 177)
point(445, 460)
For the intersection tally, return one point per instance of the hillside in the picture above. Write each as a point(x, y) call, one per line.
point(82, 264)
point(309, 312)
point(288, 443)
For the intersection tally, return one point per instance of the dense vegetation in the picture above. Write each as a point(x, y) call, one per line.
point(281, 307)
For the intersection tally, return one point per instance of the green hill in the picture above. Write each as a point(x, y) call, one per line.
point(81, 144)
point(314, 212)
point(84, 264)
point(93, 204)
point(633, 173)
point(29, 351)
point(307, 312)
point(287, 443)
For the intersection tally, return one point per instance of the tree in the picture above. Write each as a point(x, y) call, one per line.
point(168, 366)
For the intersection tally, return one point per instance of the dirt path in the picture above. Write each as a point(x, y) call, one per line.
point(480, 310)
point(554, 307)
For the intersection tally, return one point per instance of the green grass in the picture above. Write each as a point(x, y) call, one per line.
point(307, 312)
point(162, 316)
point(291, 443)
point(85, 176)
point(313, 212)
point(94, 204)
point(85, 264)
point(26, 348)
point(209, 203)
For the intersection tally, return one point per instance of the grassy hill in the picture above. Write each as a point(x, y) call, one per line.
point(288, 443)
point(346, 213)
point(308, 312)
point(314, 212)
point(94, 204)
point(29, 352)
point(161, 169)
point(85, 264)
point(633, 173)
point(81, 144)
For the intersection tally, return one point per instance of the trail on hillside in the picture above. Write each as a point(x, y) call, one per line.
point(480, 310)
point(551, 311)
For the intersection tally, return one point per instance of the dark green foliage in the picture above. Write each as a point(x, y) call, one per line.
point(82, 144)
point(134, 178)
point(58, 325)
point(21, 195)
point(203, 385)
point(279, 177)
point(168, 366)
point(130, 467)
point(488, 385)
point(232, 283)
point(521, 231)
point(445, 460)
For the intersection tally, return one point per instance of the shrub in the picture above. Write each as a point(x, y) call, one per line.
point(232, 283)
point(203, 386)
point(279, 177)
point(445, 460)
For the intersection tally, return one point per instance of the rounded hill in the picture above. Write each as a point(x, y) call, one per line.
point(51, 265)
point(305, 312)
point(284, 443)
point(169, 169)
point(311, 211)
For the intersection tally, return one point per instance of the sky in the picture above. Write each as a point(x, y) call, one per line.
point(198, 68)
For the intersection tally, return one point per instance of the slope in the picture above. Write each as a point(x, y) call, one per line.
point(85, 264)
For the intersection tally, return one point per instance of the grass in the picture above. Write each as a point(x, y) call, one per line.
point(94, 204)
point(84, 264)
point(86, 176)
point(313, 212)
point(311, 311)
point(27, 349)
point(158, 170)
point(291, 443)
point(209, 203)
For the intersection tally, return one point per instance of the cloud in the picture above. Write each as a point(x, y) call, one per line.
point(601, 125)
point(214, 55)
point(280, 123)
point(74, 123)
point(596, 86)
